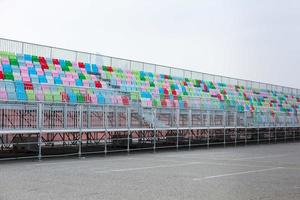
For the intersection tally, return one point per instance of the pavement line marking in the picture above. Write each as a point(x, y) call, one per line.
point(238, 173)
point(145, 168)
point(251, 158)
point(175, 165)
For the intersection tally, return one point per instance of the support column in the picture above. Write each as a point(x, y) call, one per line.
point(208, 127)
point(177, 128)
point(40, 122)
point(190, 128)
point(224, 128)
point(128, 126)
point(80, 131)
point(105, 128)
point(154, 131)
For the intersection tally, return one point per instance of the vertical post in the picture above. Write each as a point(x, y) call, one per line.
point(105, 128)
point(224, 128)
point(285, 124)
point(246, 124)
point(128, 126)
point(190, 127)
point(269, 128)
point(40, 117)
point(80, 131)
point(208, 127)
point(154, 131)
point(235, 127)
point(177, 127)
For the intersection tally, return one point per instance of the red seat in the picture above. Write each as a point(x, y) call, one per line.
point(125, 100)
point(42, 59)
point(44, 66)
point(174, 92)
point(175, 97)
point(1, 75)
point(185, 83)
point(166, 91)
point(28, 86)
point(164, 103)
point(98, 84)
point(166, 76)
point(185, 104)
point(87, 98)
point(110, 69)
point(81, 64)
point(64, 97)
point(55, 61)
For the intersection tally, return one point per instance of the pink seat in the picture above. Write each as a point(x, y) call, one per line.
point(3, 95)
point(39, 95)
point(85, 83)
point(45, 87)
point(71, 82)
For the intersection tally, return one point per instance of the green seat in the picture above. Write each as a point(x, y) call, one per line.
point(56, 97)
point(13, 62)
point(35, 59)
point(134, 96)
point(48, 96)
point(152, 84)
point(80, 98)
point(8, 76)
point(65, 68)
point(30, 95)
point(156, 103)
point(68, 63)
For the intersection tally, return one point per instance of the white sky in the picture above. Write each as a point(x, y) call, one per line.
point(251, 39)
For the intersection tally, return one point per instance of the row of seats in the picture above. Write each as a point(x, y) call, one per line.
point(28, 72)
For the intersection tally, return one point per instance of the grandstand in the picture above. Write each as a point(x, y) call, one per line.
point(56, 101)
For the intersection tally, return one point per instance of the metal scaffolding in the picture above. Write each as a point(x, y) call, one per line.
point(40, 129)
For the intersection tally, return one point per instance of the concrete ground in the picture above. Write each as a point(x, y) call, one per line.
point(234, 173)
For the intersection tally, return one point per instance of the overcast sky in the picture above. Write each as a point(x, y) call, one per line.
point(254, 39)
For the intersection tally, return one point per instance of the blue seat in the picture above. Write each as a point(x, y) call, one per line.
point(62, 62)
point(181, 104)
point(21, 96)
point(57, 80)
point(42, 79)
point(88, 68)
point(95, 69)
point(7, 68)
point(72, 97)
point(27, 57)
point(78, 82)
point(11, 95)
point(31, 70)
point(100, 99)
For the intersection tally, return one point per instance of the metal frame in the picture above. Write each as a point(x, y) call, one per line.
point(42, 129)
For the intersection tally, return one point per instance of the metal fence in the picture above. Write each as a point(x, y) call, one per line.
point(55, 52)
point(55, 129)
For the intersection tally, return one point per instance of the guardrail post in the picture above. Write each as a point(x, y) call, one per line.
point(177, 127)
point(224, 127)
point(128, 126)
point(246, 124)
point(154, 131)
point(208, 127)
point(235, 126)
point(190, 127)
point(105, 128)
point(80, 131)
point(285, 124)
point(40, 122)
